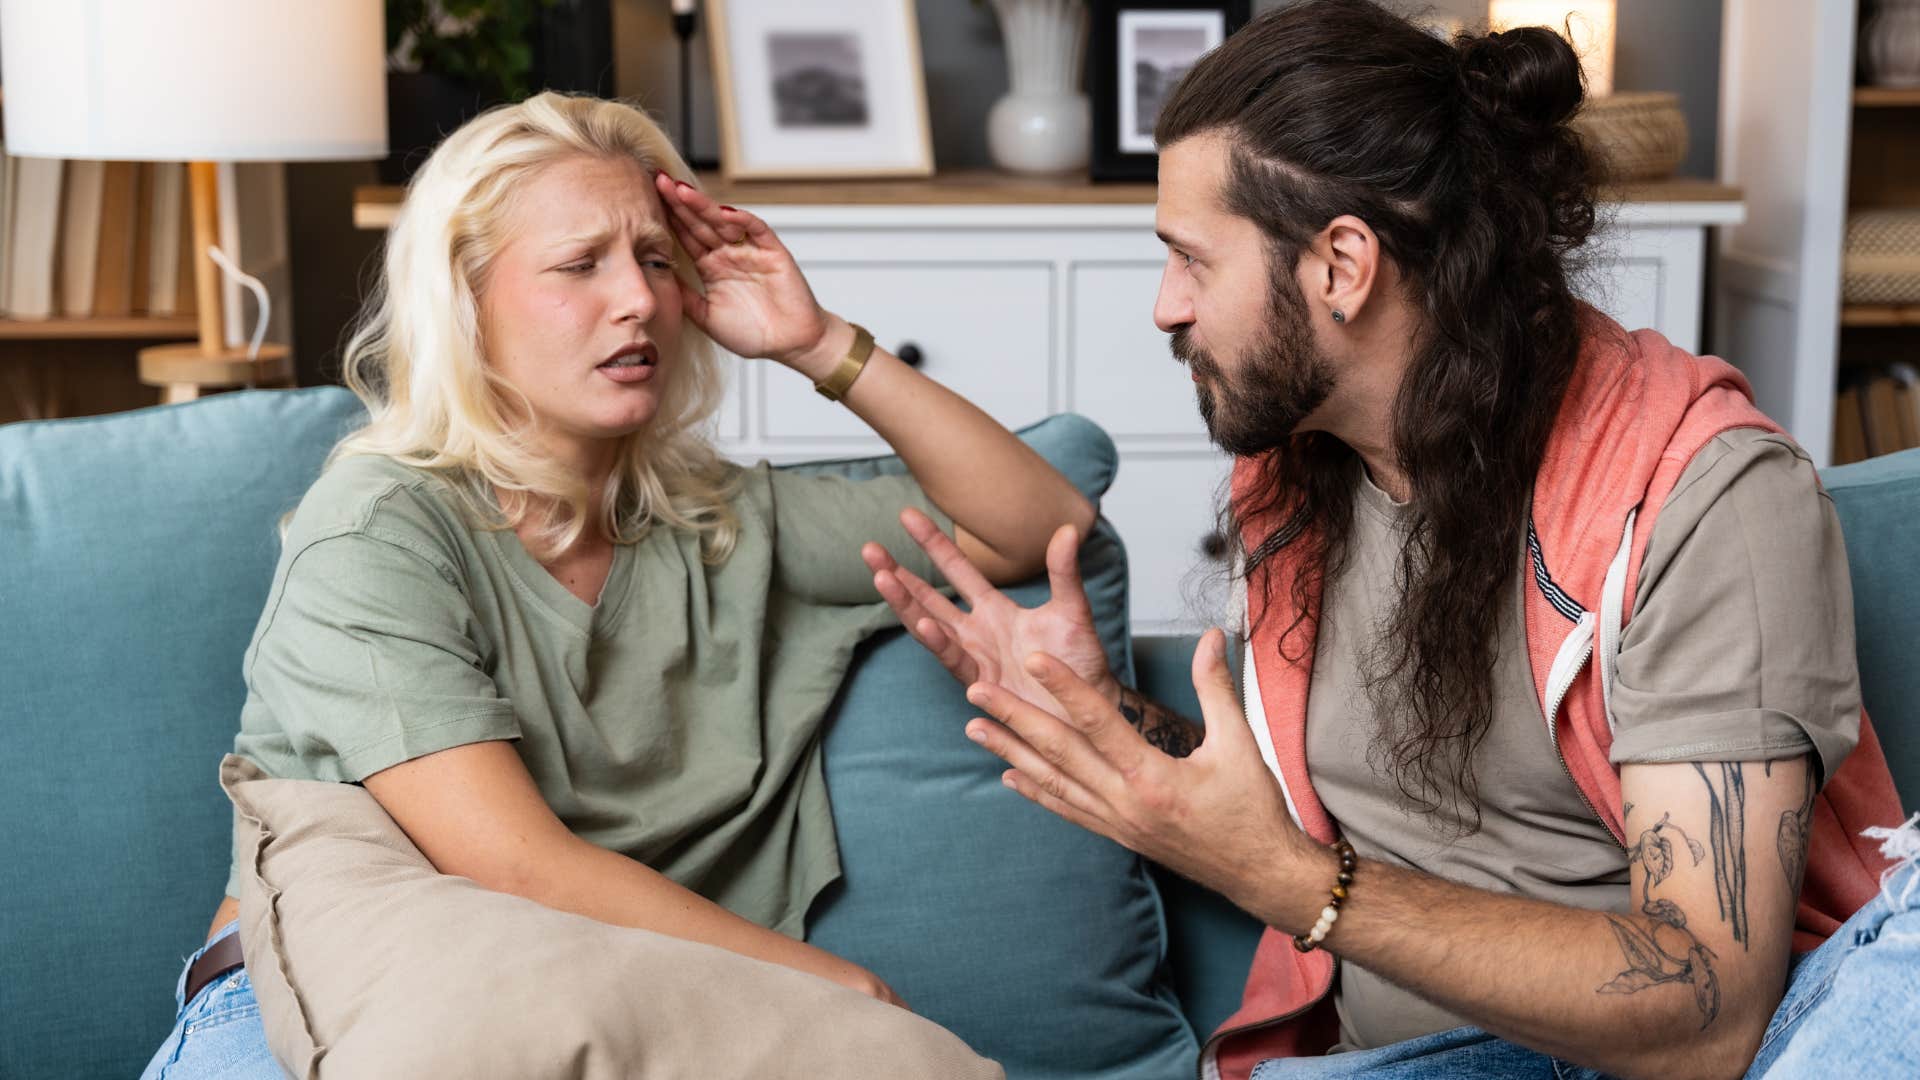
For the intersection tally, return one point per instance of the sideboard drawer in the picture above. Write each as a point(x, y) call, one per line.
point(1163, 507)
point(1122, 375)
point(983, 329)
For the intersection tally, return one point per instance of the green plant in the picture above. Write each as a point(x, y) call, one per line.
point(484, 43)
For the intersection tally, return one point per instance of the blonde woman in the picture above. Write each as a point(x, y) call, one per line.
point(530, 608)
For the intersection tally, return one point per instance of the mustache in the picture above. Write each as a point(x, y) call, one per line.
point(1186, 352)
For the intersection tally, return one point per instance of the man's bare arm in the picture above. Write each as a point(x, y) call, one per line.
point(1682, 983)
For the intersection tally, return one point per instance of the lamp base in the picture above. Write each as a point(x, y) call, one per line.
point(184, 370)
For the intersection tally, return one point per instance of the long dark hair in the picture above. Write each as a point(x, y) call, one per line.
point(1459, 157)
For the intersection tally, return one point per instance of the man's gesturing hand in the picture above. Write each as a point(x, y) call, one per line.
point(1216, 816)
point(989, 642)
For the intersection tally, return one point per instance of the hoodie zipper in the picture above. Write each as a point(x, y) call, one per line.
point(1553, 720)
point(1200, 1063)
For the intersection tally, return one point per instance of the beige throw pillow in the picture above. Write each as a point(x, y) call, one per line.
point(369, 963)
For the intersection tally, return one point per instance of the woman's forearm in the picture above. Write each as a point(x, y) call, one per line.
point(993, 485)
point(589, 880)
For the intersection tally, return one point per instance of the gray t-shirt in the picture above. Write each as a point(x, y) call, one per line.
point(676, 721)
point(1740, 648)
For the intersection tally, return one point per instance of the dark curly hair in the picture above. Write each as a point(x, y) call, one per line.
point(1460, 159)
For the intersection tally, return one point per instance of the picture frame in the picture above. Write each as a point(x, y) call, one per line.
point(816, 89)
point(1136, 51)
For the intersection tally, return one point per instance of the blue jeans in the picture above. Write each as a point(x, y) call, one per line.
point(217, 1035)
point(1855, 999)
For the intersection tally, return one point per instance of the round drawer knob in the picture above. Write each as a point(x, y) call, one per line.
point(910, 354)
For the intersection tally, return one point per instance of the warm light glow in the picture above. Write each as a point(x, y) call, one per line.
point(1589, 21)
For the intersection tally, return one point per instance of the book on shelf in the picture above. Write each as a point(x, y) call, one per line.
point(1880, 415)
point(1849, 435)
point(99, 242)
point(1877, 412)
point(78, 244)
point(1906, 382)
point(8, 174)
point(113, 256)
point(32, 235)
point(168, 241)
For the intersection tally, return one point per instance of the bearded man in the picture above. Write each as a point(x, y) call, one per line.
point(1551, 729)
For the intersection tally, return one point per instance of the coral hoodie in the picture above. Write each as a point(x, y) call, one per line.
point(1635, 412)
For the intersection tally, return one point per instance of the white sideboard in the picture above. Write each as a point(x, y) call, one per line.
point(1034, 298)
point(1032, 310)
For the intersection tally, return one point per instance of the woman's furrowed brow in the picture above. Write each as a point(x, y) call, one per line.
point(653, 235)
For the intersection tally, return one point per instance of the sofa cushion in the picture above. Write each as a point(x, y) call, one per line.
point(138, 549)
point(368, 962)
point(1878, 502)
point(1040, 944)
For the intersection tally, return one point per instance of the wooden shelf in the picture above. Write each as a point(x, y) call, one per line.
point(136, 328)
point(1886, 96)
point(1880, 315)
point(374, 207)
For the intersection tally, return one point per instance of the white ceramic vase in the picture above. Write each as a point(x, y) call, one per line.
point(1042, 124)
point(1890, 43)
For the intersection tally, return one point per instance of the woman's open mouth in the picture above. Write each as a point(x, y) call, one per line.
point(631, 364)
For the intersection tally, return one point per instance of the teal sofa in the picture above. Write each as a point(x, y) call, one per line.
point(135, 553)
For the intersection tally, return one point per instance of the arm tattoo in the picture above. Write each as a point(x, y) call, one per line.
point(1166, 730)
point(1795, 828)
point(1667, 952)
point(1727, 834)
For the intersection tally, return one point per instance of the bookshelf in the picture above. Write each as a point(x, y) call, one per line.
point(134, 328)
point(1863, 315)
point(1877, 406)
point(1815, 150)
point(1881, 97)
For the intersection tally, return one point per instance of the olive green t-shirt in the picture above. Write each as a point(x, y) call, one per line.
point(677, 721)
point(1740, 648)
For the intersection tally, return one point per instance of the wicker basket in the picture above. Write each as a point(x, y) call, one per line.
point(1882, 262)
point(1638, 136)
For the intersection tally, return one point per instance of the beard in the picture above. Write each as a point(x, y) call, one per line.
point(1277, 386)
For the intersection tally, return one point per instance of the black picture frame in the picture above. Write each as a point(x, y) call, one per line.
point(1106, 82)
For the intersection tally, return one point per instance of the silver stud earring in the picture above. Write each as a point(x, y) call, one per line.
point(1339, 316)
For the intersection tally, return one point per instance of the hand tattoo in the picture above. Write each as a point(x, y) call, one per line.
point(1668, 952)
point(1727, 834)
point(1164, 729)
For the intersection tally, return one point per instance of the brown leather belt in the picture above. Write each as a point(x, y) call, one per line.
point(223, 956)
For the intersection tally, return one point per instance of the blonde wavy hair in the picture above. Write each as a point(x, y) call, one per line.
point(417, 357)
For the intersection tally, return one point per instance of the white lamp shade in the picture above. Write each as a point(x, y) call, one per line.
point(1589, 21)
point(195, 80)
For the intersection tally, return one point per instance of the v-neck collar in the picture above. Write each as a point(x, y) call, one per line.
point(546, 589)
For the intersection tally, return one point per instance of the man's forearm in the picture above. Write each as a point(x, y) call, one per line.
point(1628, 994)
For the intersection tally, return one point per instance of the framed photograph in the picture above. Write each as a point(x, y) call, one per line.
point(1139, 50)
point(819, 88)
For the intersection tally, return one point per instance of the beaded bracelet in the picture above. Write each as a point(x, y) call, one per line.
point(1311, 940)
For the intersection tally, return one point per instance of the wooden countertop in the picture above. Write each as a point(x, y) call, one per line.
point(373, 207)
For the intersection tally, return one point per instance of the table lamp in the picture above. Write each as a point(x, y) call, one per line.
point(1589, 22)
point(200, 81)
